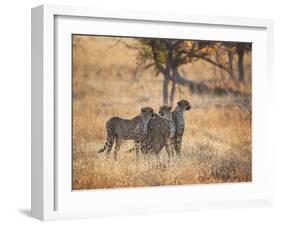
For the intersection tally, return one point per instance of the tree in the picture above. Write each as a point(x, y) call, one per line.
point(167, 55)
point(239, 49)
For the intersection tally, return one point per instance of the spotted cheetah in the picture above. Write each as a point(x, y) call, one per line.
point(158, 135)
point(165, 112)
point(160, 131)
point(119, 129)
point(178, 117)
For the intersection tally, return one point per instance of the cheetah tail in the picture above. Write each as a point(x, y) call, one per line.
point(108, 145)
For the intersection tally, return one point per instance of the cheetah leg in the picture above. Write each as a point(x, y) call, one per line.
point(117, 148)
point(171, 142)
point(167, 148)
point(108, 145)
point(177, 145)
point(172, 146)
point(137, 147)
point(143, 146)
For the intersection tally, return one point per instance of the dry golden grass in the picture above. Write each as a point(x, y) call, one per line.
point(217, 140)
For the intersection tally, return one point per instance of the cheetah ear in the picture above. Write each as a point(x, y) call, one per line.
point(143, 110)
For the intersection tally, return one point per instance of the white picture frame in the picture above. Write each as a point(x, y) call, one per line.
point(52, 198)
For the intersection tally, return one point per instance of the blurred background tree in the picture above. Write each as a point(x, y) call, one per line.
point(239, 49)
point(165, 56)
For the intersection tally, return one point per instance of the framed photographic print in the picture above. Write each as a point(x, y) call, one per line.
point(138, 112)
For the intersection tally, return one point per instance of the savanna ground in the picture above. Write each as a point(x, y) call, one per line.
point(217, 139)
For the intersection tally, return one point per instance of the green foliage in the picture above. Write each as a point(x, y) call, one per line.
point(168, 54)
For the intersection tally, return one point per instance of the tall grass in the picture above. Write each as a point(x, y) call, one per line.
point(217, 140)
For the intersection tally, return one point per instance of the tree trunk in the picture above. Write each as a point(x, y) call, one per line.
point(241, 66)
point(165, 89)
point(173, 90)
point(172, 95)
point(218, 60)
point(230, 64)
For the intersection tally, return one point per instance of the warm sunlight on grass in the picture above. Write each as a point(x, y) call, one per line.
point(217, 140)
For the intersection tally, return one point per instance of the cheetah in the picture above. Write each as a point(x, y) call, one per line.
point(165, 112)
point(178, 117)
point(167, 133)
point(119, 129)
point(160, 131)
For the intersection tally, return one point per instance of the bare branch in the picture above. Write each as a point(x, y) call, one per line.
point(148, 66)
point(212, 62)
point(203, 57)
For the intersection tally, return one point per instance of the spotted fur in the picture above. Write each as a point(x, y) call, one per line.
point(160, 132)
point(119, 129)
point(178, 117)
point(167, 131)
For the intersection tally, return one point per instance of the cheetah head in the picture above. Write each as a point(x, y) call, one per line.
point(183, 105)
point(147, 113)
point(165, 111)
